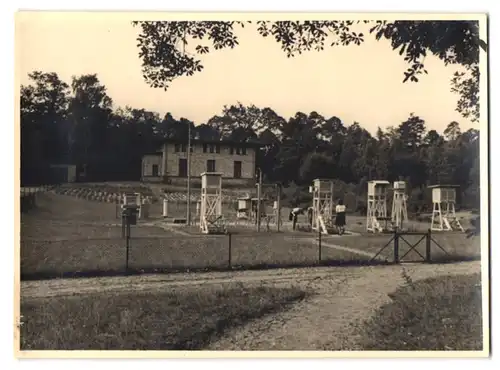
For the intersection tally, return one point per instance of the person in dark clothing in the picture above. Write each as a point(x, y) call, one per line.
point(340, 217)
point(294, 216)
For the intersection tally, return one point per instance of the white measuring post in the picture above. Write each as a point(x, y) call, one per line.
point(322, 191)
point(138, 202)
point(211, 217)
point(165, 207)
point(376, 205)
point(145, 204)
point(443, 208)
point(132, 200)
point(399, 213)
point(244, 208)
point(198, 206)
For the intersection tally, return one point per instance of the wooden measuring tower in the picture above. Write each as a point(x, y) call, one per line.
point(133, 200)
point(443, 208)
point(377, 205)
point(399, 213)
point(211, 218)
point(322, 217)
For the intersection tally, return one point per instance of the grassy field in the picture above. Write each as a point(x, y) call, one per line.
point(445, 246)
point(174, 253)
point(68, 236)
point(168, 320)
point(434, 314)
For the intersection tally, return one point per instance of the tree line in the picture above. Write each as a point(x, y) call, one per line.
point(76, 123)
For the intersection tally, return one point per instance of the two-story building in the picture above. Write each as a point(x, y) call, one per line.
point(234, 160)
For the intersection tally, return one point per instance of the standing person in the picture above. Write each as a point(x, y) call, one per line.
point(254, 211)
point(294, 215)
point(340, 217)
point(310, 215)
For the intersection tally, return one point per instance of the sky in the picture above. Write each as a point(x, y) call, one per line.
point(355, 83)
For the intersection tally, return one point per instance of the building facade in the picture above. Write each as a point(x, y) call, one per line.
point(235, 161)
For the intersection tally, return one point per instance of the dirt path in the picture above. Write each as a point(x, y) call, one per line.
point(62, 287)
point(322, 322)
point(341, 296)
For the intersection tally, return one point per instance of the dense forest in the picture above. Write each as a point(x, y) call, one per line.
point(77, 124)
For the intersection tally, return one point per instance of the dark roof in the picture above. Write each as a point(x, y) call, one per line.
point(248, 144)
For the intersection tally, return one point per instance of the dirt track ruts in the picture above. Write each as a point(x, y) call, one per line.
point(341, 296)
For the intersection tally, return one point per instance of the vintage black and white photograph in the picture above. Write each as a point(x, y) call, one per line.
point(252, 182)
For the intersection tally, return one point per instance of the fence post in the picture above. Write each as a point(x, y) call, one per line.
point(396, 247)
point(230, 247)
point(319, 244)
point(127, 244)
point(123, 226)
point(428, 246)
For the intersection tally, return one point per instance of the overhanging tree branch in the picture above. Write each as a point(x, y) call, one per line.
point(454, 42)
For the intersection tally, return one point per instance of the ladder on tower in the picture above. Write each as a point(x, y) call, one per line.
point(212, 220)
point(452, 223)
point(375, 225)
point(445, 221)
point(326, 227)
point(379, 224)
point(213, 225)
point(322, 207)
point(377, 221)
point(443, 210)
point(399, 214)
point(377, 206)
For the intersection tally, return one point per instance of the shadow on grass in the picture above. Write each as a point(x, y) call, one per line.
point(177, 319)
point(443, 260)
point(47, 275)
point(453, 259)
point(434, 314)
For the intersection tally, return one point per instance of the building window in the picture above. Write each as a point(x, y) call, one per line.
point(183, 148)
point(238, 150)
point(211, 165)
point(231, 150)
point(177, 148)
point(217, 148)
point(191, 148)
point(237, 170)
point(155, 170)
point(204, 148)
point(183, 167)
point(212, 148)
point(244, 151)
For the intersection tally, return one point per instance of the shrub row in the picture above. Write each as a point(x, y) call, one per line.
point(94, 195)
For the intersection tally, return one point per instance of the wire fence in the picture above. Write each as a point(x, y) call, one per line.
point(152, 254)
point(68, 236)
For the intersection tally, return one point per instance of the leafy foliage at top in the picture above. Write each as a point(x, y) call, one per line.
point(164, 47)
